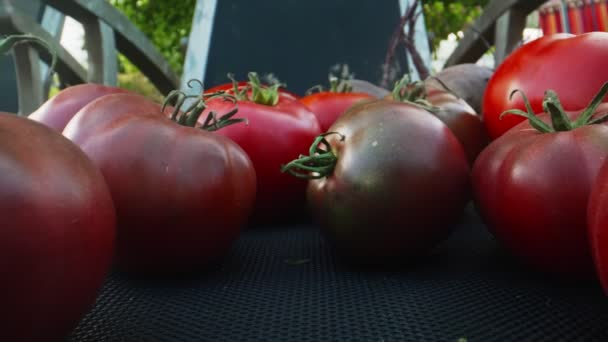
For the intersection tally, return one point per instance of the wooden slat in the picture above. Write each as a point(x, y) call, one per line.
point(13, 21)
point(508, 33)
point(101, 52)
point(29, 82)
point(195, 64)
point(130, 41)
point(471, 47)
point(52, 21)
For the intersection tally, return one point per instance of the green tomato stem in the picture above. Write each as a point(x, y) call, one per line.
point(239, 93)
point(413, 93)
point(552, 105)
point(560, 122)
point(319, 164)
point(337, 84)
point(190, 116)
point(592, 106)
point(602, 118)
point(534, 121)
point(260, 94)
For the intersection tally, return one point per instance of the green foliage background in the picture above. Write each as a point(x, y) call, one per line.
point(166, 22)
point(443, 17)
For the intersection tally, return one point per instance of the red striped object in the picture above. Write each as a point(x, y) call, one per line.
point(580, 16)
point(601, 10)
point(589, 20)
point(575, 16)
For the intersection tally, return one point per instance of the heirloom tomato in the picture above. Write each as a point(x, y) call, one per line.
point(181, 193)
point(57, 233)
point(279, 128)
point(452, 110)
point(387, 182)
point(532, 185)
point(574, 66)
point(59, 110)
point(328, 105)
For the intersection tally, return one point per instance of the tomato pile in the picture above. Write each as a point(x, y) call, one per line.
point(100, 177)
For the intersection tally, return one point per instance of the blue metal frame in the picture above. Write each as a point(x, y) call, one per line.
point(195, 64)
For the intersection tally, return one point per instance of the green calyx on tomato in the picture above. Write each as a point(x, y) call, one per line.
point(318, 164)
point(336, 85)
point(411, 92)
point(559, 120)
point(260, 94)
point(406, 91)
point(189, 117)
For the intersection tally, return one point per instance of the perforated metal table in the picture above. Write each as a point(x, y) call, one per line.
point(285, 284)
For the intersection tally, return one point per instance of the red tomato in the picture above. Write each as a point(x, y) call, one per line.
point(387, 183)
point(328, 106)
point(532, 188)
point(462, 120)
point(181, 194)
point(572, 65)
point(452, 110)
point(59, 110)
point(57, 233)
point(279, 129)
point(597, 217)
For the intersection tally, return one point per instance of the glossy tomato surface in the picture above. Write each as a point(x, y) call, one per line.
point(274, 135)
point(328, 106)
point(467, 81)
point(182, 194)
point(400, 182)
point(571, 65)
point(452, 110)
point(461, 118)
point(532, 191)
point(57, 234)
point(59, 110)
point(597, 221)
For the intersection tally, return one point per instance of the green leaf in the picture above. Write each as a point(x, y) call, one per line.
point(443, 17)
point(164, 22)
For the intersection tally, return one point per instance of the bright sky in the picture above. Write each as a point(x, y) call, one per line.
point(72, 39)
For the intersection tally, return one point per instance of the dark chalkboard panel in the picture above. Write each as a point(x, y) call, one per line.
point(299, 41)
point(8, 85)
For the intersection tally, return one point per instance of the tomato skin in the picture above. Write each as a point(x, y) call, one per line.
point(532, 190)
point(467, 81)
point(400, 182)
point(273, 136)
point(597, 218)
point(328, 106)
point(572, 65)
point(57, 234)
point(182, 194)
point(462, 120)
point(454, 112)
point(59, 110)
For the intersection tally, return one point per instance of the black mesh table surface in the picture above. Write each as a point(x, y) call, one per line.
point(285, 284)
